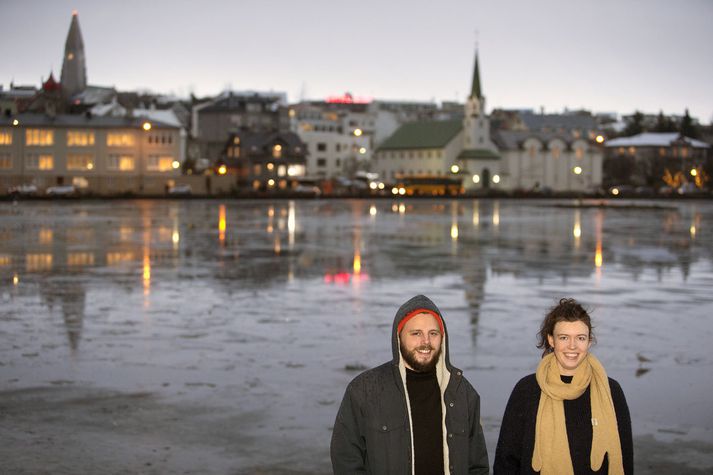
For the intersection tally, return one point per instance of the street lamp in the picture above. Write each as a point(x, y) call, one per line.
point(476, 178)
point(577, 170)
point(455, 169)
point(496, 179)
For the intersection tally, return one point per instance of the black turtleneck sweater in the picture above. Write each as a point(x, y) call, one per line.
point(425, 399)
point(517, 432)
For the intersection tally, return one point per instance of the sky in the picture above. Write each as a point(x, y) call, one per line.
point(604, 56)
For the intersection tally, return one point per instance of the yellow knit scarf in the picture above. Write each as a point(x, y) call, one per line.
point(551, 454)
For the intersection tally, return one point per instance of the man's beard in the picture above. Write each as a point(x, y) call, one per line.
point(410, 358)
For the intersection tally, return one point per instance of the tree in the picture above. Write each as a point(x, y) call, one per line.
point(688, 127)
point(635, 124)
point(664, 124)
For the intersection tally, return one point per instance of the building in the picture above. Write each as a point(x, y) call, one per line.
point(463, 149)
point(337, 144)
point(97, 155)
point(657, 159)
point(215, 120)
point(263, 161)
point(74, 66)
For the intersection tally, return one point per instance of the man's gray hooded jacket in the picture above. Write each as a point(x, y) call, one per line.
point(372, 432)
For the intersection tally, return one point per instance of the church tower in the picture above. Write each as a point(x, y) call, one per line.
point(476, 125)
point(74, 68)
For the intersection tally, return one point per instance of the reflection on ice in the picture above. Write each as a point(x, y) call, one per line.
point(79, 276)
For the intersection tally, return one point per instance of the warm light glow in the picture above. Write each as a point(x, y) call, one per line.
point(15, 122)
point(394, 191)
point(577, 231)
point(476, 178)
point(176, 164)
point(90, 166)
point(291, 224)
point(222, 170)
point(598, 255)
point(362, 150)
point(15, 279)
point(146, 126)
point(270, 182)
point(221, 224)
point(694, 172)
point(496, 179)
point(373, 185)
point(147, 270)
point(357, 261)
point(454, 231)
point(270, 166)
point(615, 191)
point(577, 170)
point(402, 208)
point(358, 132)
point(402, 191)
point(381, 186)
point(372, 210)
point(455, 168)
point(693, 231)
point(175, 237)
point(600, 139)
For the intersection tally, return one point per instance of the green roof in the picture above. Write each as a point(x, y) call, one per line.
point(433, 134)
point(479, 153)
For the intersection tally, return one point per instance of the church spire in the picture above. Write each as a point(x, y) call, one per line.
point(475, 88)
point(74, 69)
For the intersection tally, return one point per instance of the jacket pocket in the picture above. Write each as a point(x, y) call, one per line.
point(388, 446)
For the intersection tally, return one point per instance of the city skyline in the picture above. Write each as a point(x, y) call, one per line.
point(604, 57)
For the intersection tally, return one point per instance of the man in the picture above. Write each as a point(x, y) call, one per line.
point(415, 415)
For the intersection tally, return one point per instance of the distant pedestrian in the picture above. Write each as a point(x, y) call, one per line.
point(569, 417)
point(414, 415)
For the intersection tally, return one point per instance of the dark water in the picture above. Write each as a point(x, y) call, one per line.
point(266, 309)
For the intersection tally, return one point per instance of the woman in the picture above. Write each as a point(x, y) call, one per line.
point(568, 417)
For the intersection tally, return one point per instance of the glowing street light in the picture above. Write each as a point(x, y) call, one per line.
point(394, 191)
point(402, 191)
point(358, 132)
point(496, 179)
point(15, 122)
point(176, 164)
point(362, 150)
point(455, 168)
point(476, 178)
point(373, 185)
point(599, 139)
point(694, 172)
point(577, 170)
point(615, 191)
point(271, 182)
point(146, 126)
point(222, 170)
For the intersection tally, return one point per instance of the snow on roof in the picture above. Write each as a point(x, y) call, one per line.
point(653, 139)
point(167, 116)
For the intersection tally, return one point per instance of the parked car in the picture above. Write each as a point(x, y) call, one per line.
point(22, 190)
point(180, 190)
point(61, 190)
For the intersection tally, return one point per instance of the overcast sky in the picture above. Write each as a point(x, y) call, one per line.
point(605, 55)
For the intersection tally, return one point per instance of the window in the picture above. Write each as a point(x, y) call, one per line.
point(556, 152)
point(41, 137)
point(339, 146)
point(5, 137)
point(39, 161)
point(321, 162)
point(277, 151)
point(579, 153)
point(160, 163)
point(532, 151)
point(122, 163)
point(5, 161)
point(80, 162)
point(339, 162)
point(321, 147)
point(80, 138)
point(116, 139)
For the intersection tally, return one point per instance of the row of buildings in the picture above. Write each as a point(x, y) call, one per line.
point(102, 141)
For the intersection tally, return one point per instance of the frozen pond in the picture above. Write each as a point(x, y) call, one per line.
point(219, 336)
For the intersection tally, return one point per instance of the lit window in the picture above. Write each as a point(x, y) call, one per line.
point(160, 163)
point(236, 152)
point(115, 139)
point(579, 153)
point(36, 161)
point(80, 162)
point(79, 138)
point(277, 151)
point(5, 161)
point(122, 163)
point(5, 137)
point(41, 137)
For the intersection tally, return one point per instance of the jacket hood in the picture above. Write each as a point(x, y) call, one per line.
point(419, 302)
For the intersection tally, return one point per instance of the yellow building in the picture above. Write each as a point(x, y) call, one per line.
point(96, 155)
